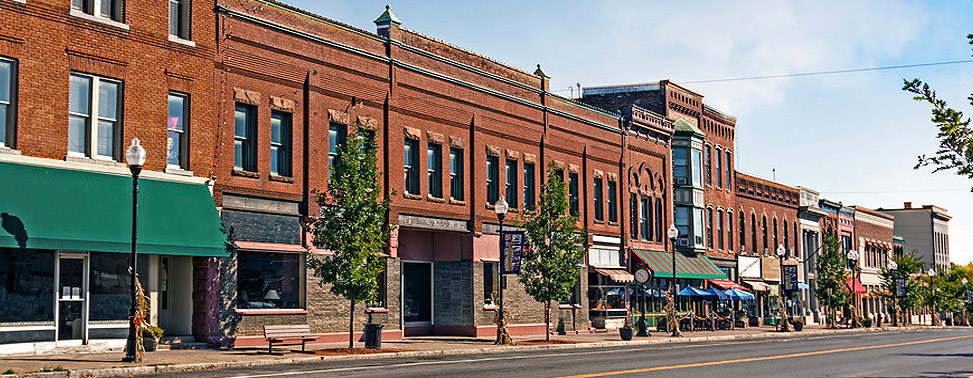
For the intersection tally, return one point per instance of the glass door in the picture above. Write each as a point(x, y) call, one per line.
point(417, 293)
point(72, 293)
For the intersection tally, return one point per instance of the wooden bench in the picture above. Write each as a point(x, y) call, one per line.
point(280, 334)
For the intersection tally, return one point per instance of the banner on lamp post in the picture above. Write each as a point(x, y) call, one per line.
point(789, 279)
point(899, 284)
point(511, 251)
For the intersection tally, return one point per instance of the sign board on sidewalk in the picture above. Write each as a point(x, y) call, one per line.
point(511, 251)
point(789, 281)
point(899, 287)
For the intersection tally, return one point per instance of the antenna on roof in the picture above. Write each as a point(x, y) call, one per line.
point(571, 89)
point(579, 89)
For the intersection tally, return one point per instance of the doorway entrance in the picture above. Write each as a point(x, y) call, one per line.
point(71, 316)
point(417, 300)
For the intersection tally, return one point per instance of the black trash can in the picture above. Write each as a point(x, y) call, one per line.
point(373, 335)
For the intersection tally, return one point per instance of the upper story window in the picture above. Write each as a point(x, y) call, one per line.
point(94, 115)
point(245, 138)
point(680, 166)
point(729, 230)
point(336, 138)
point(410, 159)
point(659, 215)
point(510, 189)
point(178, 121)
point(598, 198)
point(280, 143)
point(492, 178)
point(697, 168)
point(573, 192)
point(698, 226)
point(456, 174)
point(179, 18)
point(633, 216)
point(8, 102)
point(111, 9)
point(682, 221)
point(709, 228)
point(719, 229)
point(708, 160)
point(719, 168)
point(645, 217)
point(434, 169)
point(729, 171)
point(529, 185)
point(612, 201)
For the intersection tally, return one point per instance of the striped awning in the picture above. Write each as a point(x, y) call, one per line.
point(696, 267)
point(617, 275)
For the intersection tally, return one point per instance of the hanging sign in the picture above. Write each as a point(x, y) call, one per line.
point(789, 279)
point(899, 287)
point(969, 296)
point(511, 251)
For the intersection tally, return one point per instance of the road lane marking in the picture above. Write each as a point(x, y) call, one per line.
point(753, 359)
point(486, 359)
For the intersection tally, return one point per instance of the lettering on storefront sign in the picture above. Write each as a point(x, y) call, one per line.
point(512, 251)
point(429, 223)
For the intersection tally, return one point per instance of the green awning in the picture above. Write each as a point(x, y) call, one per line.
point(64, 209)
point(696, 267)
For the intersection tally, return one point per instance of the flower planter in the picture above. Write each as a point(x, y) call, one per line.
point(798, 326)
point(626, 333)
point(150, 344)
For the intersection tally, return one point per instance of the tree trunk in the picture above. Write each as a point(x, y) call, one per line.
point(547, 320)
point(351, 326)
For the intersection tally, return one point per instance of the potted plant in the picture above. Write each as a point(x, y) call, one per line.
point(626, 332)
point(150, 338)
point(798, 324)
point(867, 322)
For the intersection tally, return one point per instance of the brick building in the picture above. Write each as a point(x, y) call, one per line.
point(874, 233)
point(770, 221)
point(78, 81)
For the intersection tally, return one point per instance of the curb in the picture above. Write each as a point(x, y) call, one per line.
point(155, 369)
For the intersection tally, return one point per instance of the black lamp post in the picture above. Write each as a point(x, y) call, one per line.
point(781, 252)
point(893, 267)
point(673, 233)
point(501, 208)
point(853, 257)
point(135, 157)
point(934, 314)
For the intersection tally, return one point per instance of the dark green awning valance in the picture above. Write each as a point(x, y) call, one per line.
point(64, 209)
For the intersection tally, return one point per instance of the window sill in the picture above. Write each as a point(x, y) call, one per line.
point(279, 178)
point(272, 311)
point(242, 173)
point(174, 170)
point(181, 41)
point(8, 150)
point(94, 161)
point(568, 306)
point(431, 198)
point(599, 221)
point(412, 196)
point(99, 19)
point(376, 310)
point(455, 202)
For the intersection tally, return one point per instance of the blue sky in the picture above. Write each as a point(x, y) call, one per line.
point(854, 137)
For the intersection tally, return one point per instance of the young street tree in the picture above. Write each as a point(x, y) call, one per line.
point(353, 226)
point(832, 287)
point(907, 264)
point(955, 136)
point(555, 247)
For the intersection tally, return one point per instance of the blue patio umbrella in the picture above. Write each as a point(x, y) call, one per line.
point(691, 291)
point(717, 294)
point(738, 295)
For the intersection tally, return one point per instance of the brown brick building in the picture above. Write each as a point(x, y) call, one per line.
point(78, 81)
point(873, 231)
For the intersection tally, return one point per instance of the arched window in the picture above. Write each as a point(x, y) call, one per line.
point(787, 239)
point(659, 219)
point(763, 227)
point(719, 229)
point(743, 231)
point(753, 232)
point(795, 241)
point(709, 228)
point(774, 247)
point(729, 230)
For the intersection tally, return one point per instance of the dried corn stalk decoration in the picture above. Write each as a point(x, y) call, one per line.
point(141, 312)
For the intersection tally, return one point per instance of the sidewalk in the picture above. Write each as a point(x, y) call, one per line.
point(186, 359)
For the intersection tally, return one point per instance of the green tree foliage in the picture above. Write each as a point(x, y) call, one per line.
point(832, 285)
point(352, 225)
point(555, 246)
point(908, 265)
point(955, 136)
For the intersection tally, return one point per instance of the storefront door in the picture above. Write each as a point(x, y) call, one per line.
point(417, 293)
point(72, 297)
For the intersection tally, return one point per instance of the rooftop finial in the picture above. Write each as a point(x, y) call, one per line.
point(540, 72)
point(387, 18)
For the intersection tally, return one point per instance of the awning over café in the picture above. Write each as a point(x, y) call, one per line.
point(855, 285)
point(617, 275)
point(757, 285)
point(696, 267)
point(74, 210)
point(726, 284)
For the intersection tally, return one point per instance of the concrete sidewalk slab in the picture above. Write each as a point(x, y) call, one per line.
point(106, 364)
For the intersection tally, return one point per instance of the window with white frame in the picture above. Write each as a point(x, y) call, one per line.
point(110, 9)
point(179, 16)
point(280, 143)
point(177, 124)
point(94, 114)
point(8, 102)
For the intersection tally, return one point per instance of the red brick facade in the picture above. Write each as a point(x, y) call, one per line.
point(770, 216)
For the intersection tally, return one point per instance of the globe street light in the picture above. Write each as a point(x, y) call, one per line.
point(935, 315)
point(673, 233)
point(853, 257)
point(501, 207)
point(781, 251)
point(135, 157)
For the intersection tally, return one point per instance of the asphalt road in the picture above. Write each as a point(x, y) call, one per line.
point(929, 353)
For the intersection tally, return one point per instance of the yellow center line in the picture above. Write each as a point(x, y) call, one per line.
point(752, 359)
